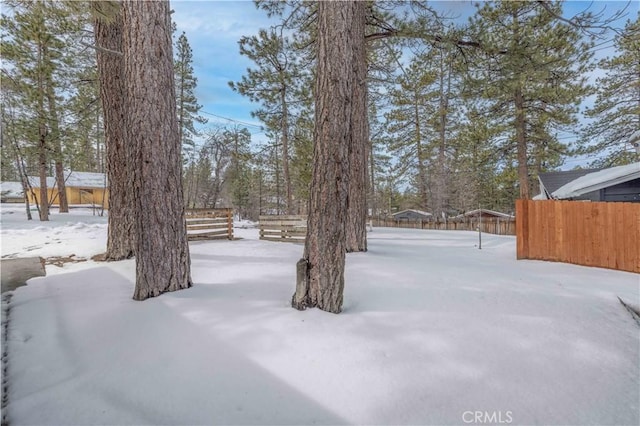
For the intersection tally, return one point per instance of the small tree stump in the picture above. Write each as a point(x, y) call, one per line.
point(301, 296)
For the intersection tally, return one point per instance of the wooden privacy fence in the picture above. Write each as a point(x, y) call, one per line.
point(605, 235)
point(291, 228)
point(489, 225)
point(209, 224)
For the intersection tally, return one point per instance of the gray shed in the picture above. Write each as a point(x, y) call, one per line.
point(412, 214)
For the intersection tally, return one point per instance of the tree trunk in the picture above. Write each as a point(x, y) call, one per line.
point(445, 89)
point(42, 160)
point(121, 229)
point(375, 207)
point(162, 251)
point(24, 179)
point(54, 136)
point(523, 169)
point(422, 168)
point(340, 33)
point(285, 150)
point(42, 144)
point(356, 232)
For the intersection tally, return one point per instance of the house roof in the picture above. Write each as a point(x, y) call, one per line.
point(598, 180)
point(74, 179)
point(11, 189)
point(420, 212)
point(484, 212)
point(552, 181)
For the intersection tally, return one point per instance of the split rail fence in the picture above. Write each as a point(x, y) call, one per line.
point(290, 228)
point(209, 224)
point(598, 234)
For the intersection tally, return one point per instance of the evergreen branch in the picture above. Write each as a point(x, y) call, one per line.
point(101, 49)
point(582, 22)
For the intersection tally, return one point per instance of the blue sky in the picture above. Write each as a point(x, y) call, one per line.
point(214, 28)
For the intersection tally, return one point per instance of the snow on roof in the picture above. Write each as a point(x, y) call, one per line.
point(11, 189)
point(413, 210)
point(74, 179)
point(552, 181)
point(598, 180)
point(540, 196)
point(484, 211)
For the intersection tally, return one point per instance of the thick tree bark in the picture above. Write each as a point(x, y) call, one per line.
point(523, 169)
point(162, 251)
point(340, 31)
point(357, 203)
point(121, 229)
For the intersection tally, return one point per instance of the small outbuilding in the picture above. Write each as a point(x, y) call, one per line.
point(412, 214)
point(11, 192)
point(485, 214)
point(82, 188)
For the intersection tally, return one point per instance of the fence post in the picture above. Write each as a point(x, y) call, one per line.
point(229, 224)
point(522, 229)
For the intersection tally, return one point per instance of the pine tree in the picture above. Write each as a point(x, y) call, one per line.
point(237, 140)
point(32, 44)
point(187, 106)
point(341, 38)
point(615, 130)
point(277, 83)
point(533, 71)
point(411, 108)
point(162, 251)
point(108, 31)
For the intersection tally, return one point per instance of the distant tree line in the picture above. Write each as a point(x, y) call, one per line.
point(459, 116)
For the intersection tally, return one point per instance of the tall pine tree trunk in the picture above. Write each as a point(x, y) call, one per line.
point(121, 229)
point(285, 150)
point(54, 136)
point(443, 111)
point(523, 169)
point(162, 251)
point(422, 168)
point(357, 204)
point(42, 163)
point(321, 271)
point(42, 143)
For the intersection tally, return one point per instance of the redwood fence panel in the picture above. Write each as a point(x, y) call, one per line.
point(209, 224)
point(605, 235)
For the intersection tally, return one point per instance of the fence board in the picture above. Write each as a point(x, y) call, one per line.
point(286, 228)
point(597, 234)
point(209, 224)
point(490, 226)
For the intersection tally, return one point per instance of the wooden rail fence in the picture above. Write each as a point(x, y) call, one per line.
point(496, 226)
point(209, 224)
point(598, 234)
point(291, 228)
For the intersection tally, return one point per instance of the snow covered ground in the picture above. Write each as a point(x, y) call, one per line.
point(434, 331)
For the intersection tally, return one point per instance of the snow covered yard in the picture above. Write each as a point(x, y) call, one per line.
point(434, 331)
